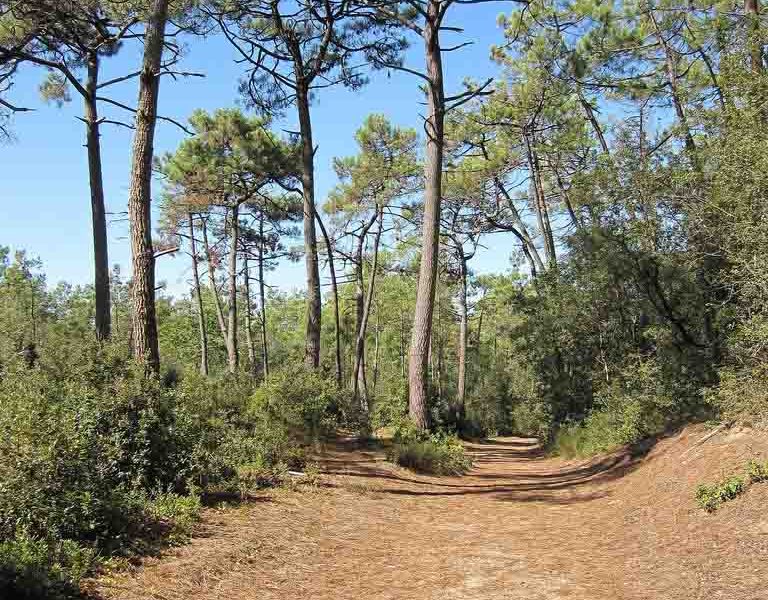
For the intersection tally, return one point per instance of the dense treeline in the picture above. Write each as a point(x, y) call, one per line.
point(620, 149)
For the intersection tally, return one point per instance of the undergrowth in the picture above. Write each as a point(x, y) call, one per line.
point(437, 454)
point(711, 497)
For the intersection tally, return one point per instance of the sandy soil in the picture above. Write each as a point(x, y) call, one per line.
point(519, 526)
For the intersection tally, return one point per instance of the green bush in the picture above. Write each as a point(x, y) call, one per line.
point(299, 406)
point(757, 472)
point(178, 515)
point(438, 454)
point(711, 497)
point(35, 569)
point(531, 418)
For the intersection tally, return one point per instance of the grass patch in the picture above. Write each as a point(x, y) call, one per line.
point(713, 496)
point(437, 455)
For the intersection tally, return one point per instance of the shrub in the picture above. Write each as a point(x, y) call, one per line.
point(299, 406)
point(757, 472)
point(35, 569)
point(531, 418)
point(710, 497)
point(177, 514)
point(438, 454)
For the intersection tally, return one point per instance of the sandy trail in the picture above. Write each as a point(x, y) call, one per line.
point(519, 526)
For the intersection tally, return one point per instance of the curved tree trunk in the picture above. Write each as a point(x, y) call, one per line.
point(433, 172)
point(98, 210)
point(144, 327)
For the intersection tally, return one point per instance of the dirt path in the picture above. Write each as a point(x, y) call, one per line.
point(519, 526)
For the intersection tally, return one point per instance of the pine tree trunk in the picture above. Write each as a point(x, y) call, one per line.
point(314, 305)
point(144, 327)
point(376, 351)
point(335, 291)
point(98, 210)
point(212, 281)
point(263, 303)
point(233, 357)
point(433, 171)
point(360, 343)
point(250, 342)
point(540, 202)
point(199, 298)
point(462, 350)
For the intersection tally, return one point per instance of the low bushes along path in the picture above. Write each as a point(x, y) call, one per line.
point(519, 526)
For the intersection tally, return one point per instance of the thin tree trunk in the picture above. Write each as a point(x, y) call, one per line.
point(376, 351)
point(402, 346)
point(670, 64)
point(314, 305)
point(98, 210)
point(360, 344)
point(263, 303)
point(540, 203)
point(433, 171)
point(199, 298)
point(144, 327)
point(335, 291)
point(358, 374)
point(214, 288)
point(233, 357)
point(462, 350)
point(529, 247)
point(592, 118)
point(248, 317)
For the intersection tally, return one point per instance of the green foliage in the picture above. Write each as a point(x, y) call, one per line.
point(711, 497)
point(35, 569)
point(757, 471)
point(436, 454)
point(303, 404)
point(178, 514)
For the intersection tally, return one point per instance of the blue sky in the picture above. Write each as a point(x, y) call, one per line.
point(44, 179)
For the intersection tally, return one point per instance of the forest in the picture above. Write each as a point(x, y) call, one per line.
point(618, 155)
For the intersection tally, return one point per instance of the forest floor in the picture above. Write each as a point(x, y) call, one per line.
point(519, 526)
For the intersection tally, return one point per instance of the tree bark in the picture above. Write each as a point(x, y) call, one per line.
point(263, 303)
point(360, 343)
point(335, 291)
point(314, 305)
point(358, 373)
point(144, 327)
point(252, 366)
point(462, 350)
point(199, 298)
point(540, 202)
point(433, 171)
point(214, 288)
point(529, 247)
point(98, 210)
point(233, 357)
